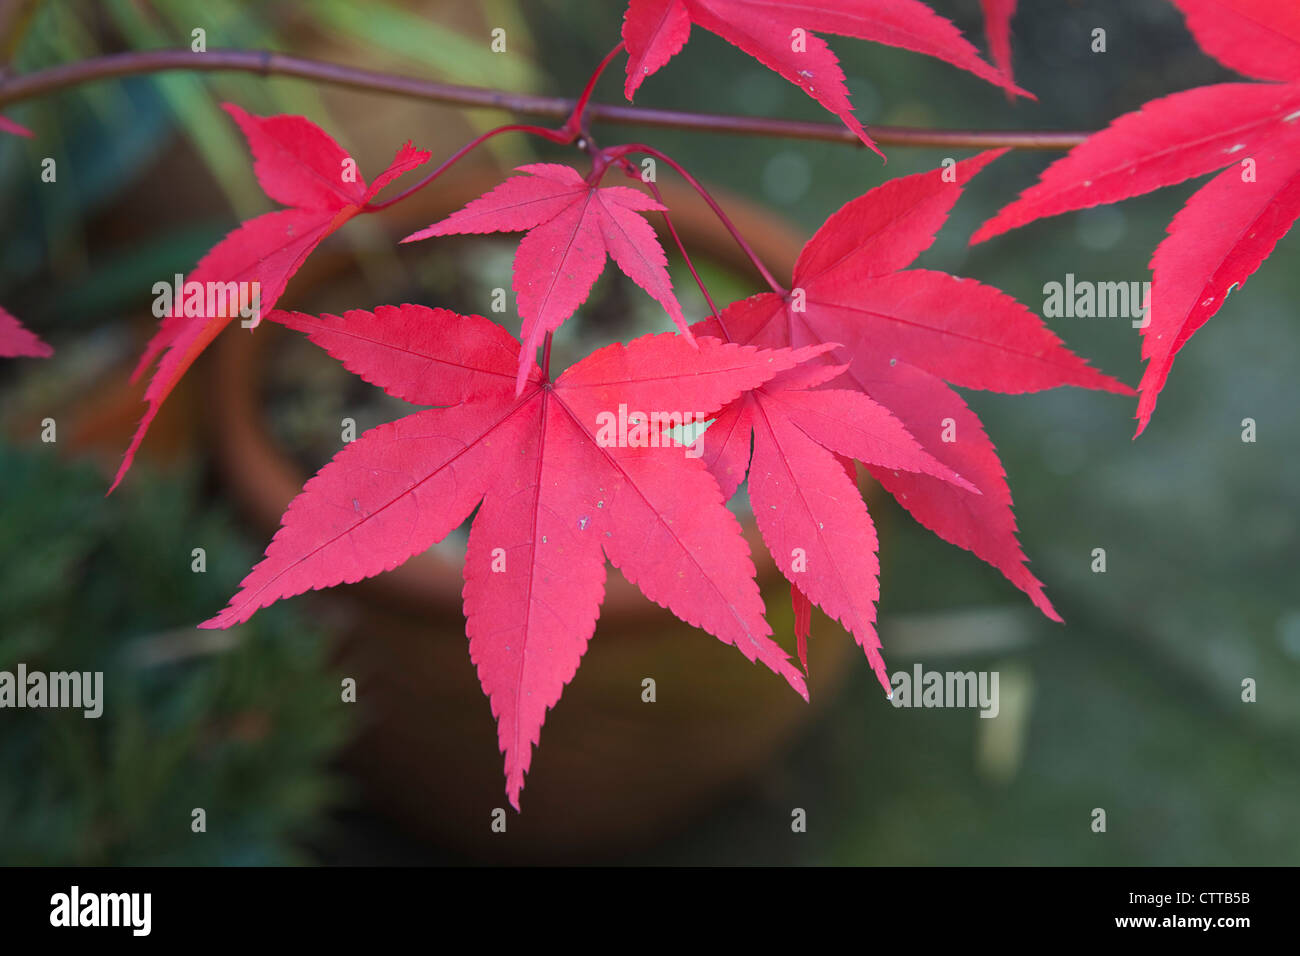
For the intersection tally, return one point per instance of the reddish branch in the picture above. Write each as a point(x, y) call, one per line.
point(555, 136)
point(267, 63)
point(615, 153)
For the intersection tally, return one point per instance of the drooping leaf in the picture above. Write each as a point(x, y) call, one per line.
point(298, 164)
point(802, 623)
point(997, 28)
point(572, 226)
point(806, 504)
point(781, 34)
point(1167, 141)
point(17, 340)
point(9, 126)
point(1256, 38)
point(944, 425)
point(1216, 242)
point(557, 493)
point(901, 334)
point(1231, 225)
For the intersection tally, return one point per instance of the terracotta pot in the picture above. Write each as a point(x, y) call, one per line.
point(613, 772)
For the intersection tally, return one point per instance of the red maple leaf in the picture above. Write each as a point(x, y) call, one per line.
point(16, 340)
point(1230, 226)
point(997, 28)
point(9, 126)
point(904, 332)
point(802, 623)
point(572, 225)
point(780, 34)
point(555, 497)
point(297, 164)
point(805, 501)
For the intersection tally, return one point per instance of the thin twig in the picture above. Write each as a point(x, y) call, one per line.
point(630, 169)
point(546, 357)
point(575, 120)
point(555, 136)
point(616, 152)
point(14, 89)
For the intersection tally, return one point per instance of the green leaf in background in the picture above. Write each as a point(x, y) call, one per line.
point(242, 726)
point(195, 109)
point(423, 41)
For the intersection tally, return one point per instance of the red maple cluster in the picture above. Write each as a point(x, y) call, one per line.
point(852, 362)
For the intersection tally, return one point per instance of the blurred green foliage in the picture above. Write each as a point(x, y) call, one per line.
point(105, 136)
point(239, 723)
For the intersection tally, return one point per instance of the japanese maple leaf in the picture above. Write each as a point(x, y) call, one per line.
point(997, 28)
point(9, 126)
point(554, 499)
point(904, 334)
point(572, 225)
point(1230, 226)
point(780, 34)
point(16, 340)
point(805, 500)
point(802, 623)
point(299, 165)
